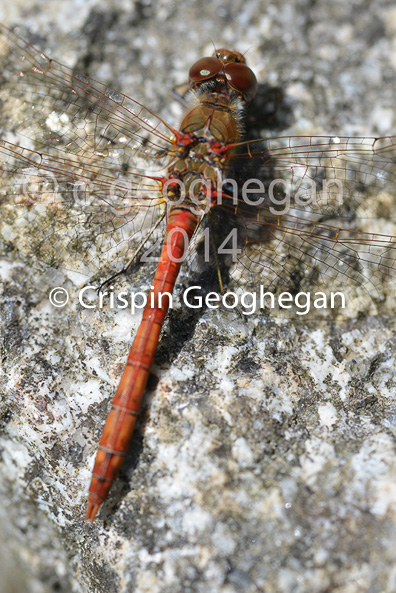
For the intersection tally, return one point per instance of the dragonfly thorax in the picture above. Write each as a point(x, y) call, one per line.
point(195, 189)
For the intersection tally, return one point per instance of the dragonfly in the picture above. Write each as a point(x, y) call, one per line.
point(90, 175)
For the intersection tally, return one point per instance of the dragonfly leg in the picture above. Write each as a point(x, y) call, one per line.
point(134, 256)
point(179, 94)
point(221, 285)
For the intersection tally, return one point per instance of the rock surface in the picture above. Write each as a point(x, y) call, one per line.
point(265, 460)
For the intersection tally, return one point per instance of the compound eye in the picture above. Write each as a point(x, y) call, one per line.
point(242, 79)
point(205, 69)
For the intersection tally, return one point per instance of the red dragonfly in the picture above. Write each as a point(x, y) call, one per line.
point(89, 174)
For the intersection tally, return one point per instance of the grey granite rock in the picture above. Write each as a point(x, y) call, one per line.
point(265, 460)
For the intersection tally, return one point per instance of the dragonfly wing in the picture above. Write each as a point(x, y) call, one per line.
point(80, 162)
point(314, 213)
point(319, 174)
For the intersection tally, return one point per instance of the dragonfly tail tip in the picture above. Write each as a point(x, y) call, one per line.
point(91, 511)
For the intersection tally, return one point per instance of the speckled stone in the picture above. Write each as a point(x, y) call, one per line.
point(265, 461)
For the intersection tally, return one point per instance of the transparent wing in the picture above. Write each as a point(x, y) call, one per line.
point(57, 106)
point(319, 211)
point(78, 159)
point(81, 169)
point(319, 174)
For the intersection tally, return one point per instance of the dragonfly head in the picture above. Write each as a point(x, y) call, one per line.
point(226, 67)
